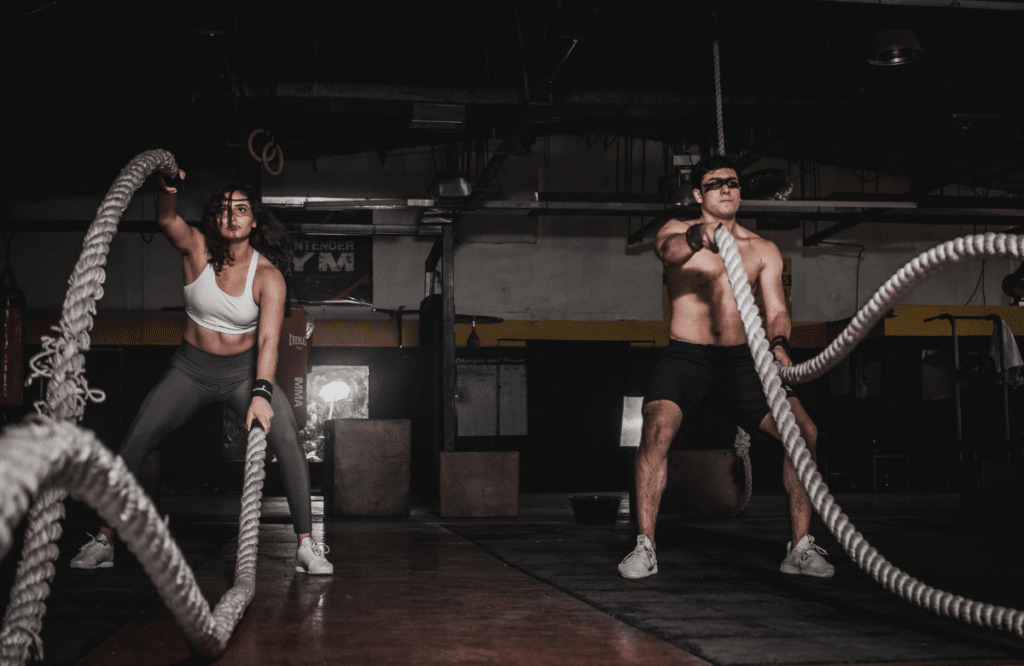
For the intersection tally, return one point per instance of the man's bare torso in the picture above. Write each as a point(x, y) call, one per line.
point(703, 307)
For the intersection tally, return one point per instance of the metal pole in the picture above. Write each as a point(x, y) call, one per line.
point(997, 321)
point(448, 336)
point(956, 382)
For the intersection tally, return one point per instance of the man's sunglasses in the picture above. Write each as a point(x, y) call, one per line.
point(717, 183)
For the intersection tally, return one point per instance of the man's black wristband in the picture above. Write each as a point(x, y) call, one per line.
point(694, 238)
point(779, 341)
point(263, 389)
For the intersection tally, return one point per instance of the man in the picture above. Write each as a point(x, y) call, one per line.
point(708, 350)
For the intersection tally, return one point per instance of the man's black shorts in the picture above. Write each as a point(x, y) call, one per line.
point(686, 372)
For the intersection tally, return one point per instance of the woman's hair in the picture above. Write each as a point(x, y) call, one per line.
point(269, 238)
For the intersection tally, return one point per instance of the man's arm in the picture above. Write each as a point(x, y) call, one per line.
point(270, 288)
point(184, 238)
point(777, 318)
point(678, 241)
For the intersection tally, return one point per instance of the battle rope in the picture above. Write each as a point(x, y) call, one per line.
point(853, 542)
point(940, 257)
point(62, 359)
point(25, 468)
point(41, 453)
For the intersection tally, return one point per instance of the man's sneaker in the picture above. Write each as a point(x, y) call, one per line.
point(309, 558)
point(97, 554)
point(642, 562)
point(806, 559)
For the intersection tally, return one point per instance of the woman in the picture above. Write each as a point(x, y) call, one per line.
point(234, 299)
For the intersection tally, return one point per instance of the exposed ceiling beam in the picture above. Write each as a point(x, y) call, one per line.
point(508, 95)
point(814, 239)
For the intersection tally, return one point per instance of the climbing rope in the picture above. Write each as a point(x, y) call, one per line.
point(47, 456)
point(742, 442)
point(719, 116)
point(856, 546)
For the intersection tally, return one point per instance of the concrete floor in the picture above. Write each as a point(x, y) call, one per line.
point(539, 589)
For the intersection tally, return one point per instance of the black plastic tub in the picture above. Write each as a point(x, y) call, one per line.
point(595, 509)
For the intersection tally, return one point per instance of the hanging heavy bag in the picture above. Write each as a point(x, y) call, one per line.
point(293, 359)
point(12, 368)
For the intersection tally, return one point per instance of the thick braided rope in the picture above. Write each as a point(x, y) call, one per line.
point(40, 453)
point(940, 257)
point(853, 542)
point(62, 361)
point(62, 358)
point(23, 619)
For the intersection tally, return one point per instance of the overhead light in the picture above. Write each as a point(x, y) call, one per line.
point(473, 342)
point(895, 47)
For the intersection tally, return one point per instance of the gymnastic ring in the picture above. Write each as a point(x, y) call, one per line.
point(268, 158)
point(270, 140)
point(251, 137)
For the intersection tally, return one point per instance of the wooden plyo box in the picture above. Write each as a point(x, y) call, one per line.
point(479, 484)
point(367, 467)
point(701, 482)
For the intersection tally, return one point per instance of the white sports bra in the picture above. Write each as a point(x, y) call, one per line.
point(211, 308)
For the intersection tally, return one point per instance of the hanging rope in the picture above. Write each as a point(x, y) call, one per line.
point(856, 546)
point(742, 443)
point(47, 456)
point(718, 92)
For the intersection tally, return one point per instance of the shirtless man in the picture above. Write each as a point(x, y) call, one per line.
point(708, 349)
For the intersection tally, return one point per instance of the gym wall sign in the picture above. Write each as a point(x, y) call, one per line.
point(332, 269)
point(328, 268)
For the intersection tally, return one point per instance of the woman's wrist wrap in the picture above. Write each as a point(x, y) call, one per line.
point(694, 238)
point(779, 341)
point(263, 389)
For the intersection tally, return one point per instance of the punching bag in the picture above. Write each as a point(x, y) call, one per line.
point(293, 359)
point(12, 369)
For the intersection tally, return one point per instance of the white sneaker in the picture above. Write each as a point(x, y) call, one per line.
point(806, 559)
point(642, 562)
point(97, 554)
point(309, 558)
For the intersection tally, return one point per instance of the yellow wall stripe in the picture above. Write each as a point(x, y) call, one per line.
point(384, 333)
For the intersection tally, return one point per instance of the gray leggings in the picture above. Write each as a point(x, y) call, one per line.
point(195, 379)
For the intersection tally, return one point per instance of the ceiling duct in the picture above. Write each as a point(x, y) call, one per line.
point(449, 185)
point(895, 47)
point(437, 116)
